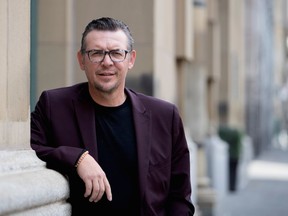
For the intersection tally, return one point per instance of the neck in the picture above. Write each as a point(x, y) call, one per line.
point(111, 99)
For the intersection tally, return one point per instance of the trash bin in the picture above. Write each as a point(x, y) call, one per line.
point(217, 161)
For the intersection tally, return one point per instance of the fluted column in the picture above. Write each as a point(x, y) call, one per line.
point(26, 186)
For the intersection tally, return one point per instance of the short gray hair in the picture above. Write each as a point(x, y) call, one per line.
point(107, 24)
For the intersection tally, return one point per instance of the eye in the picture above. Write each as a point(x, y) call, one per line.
point(117, 53)
point(95, 53)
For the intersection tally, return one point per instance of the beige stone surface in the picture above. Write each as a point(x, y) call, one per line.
point(3, 60)
point(15, 69)
point(26, 185)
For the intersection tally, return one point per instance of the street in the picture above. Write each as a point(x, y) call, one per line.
point(266, 193)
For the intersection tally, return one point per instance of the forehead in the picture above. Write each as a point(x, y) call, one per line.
point(106, 39)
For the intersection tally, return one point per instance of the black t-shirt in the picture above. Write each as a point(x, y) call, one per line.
point(117, 156)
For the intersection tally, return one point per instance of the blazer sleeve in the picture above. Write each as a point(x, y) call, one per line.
point(49, 149)
point(180, 190)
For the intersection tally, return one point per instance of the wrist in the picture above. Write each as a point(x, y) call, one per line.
point(81, 158)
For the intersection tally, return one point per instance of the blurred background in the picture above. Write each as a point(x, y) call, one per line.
point(222, 62)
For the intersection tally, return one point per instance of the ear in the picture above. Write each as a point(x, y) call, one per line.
point(81, 59)
point(132, 59)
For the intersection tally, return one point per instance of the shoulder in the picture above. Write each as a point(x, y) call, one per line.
point(68, 92)
point(60, 100)
point(62, 97)
point(149, 99)
point(151, 103)
point(74, 89)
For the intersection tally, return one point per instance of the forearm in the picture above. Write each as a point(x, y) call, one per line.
point(62, 158)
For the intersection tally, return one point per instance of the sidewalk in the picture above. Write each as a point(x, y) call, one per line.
point(266, 193)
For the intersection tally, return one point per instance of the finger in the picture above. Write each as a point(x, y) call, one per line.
point(95, 191)
point(88, 188)
point(101, 191)
point(108, 189)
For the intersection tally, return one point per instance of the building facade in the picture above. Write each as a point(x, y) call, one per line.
point(212, 58)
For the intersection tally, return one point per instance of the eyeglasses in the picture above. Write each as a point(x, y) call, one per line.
point(97, 56)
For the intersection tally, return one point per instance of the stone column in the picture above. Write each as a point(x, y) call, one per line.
point(27, 187)
point(199, 118)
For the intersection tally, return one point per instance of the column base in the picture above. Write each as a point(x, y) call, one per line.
point(29, 188)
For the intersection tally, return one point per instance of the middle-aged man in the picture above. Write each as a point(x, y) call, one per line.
point(108, 139)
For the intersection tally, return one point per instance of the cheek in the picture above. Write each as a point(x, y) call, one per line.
point(124, 70)
point(89, 72)
point(90, 68)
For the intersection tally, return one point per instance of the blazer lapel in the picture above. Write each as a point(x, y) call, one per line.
point(86, 120)
point(143, 138)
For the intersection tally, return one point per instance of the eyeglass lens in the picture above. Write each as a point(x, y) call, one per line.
point(99, 55)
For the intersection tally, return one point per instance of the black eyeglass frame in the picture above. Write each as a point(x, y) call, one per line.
point(109, 54)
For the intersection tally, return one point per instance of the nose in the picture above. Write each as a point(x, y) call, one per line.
point(107, 60)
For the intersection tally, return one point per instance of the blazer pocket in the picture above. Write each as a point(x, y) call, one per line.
point(159, 178)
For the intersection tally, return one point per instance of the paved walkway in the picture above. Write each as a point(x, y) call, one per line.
point(266, 193)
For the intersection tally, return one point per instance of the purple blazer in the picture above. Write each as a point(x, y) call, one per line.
point(63, 125)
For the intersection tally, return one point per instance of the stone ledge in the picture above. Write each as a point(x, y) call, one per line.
point(19, 161)
point(26, 185)
point(55, 209)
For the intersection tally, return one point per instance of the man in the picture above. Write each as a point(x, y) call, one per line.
point(124, 153)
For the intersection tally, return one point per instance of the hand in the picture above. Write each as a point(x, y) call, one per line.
point(96, 182)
